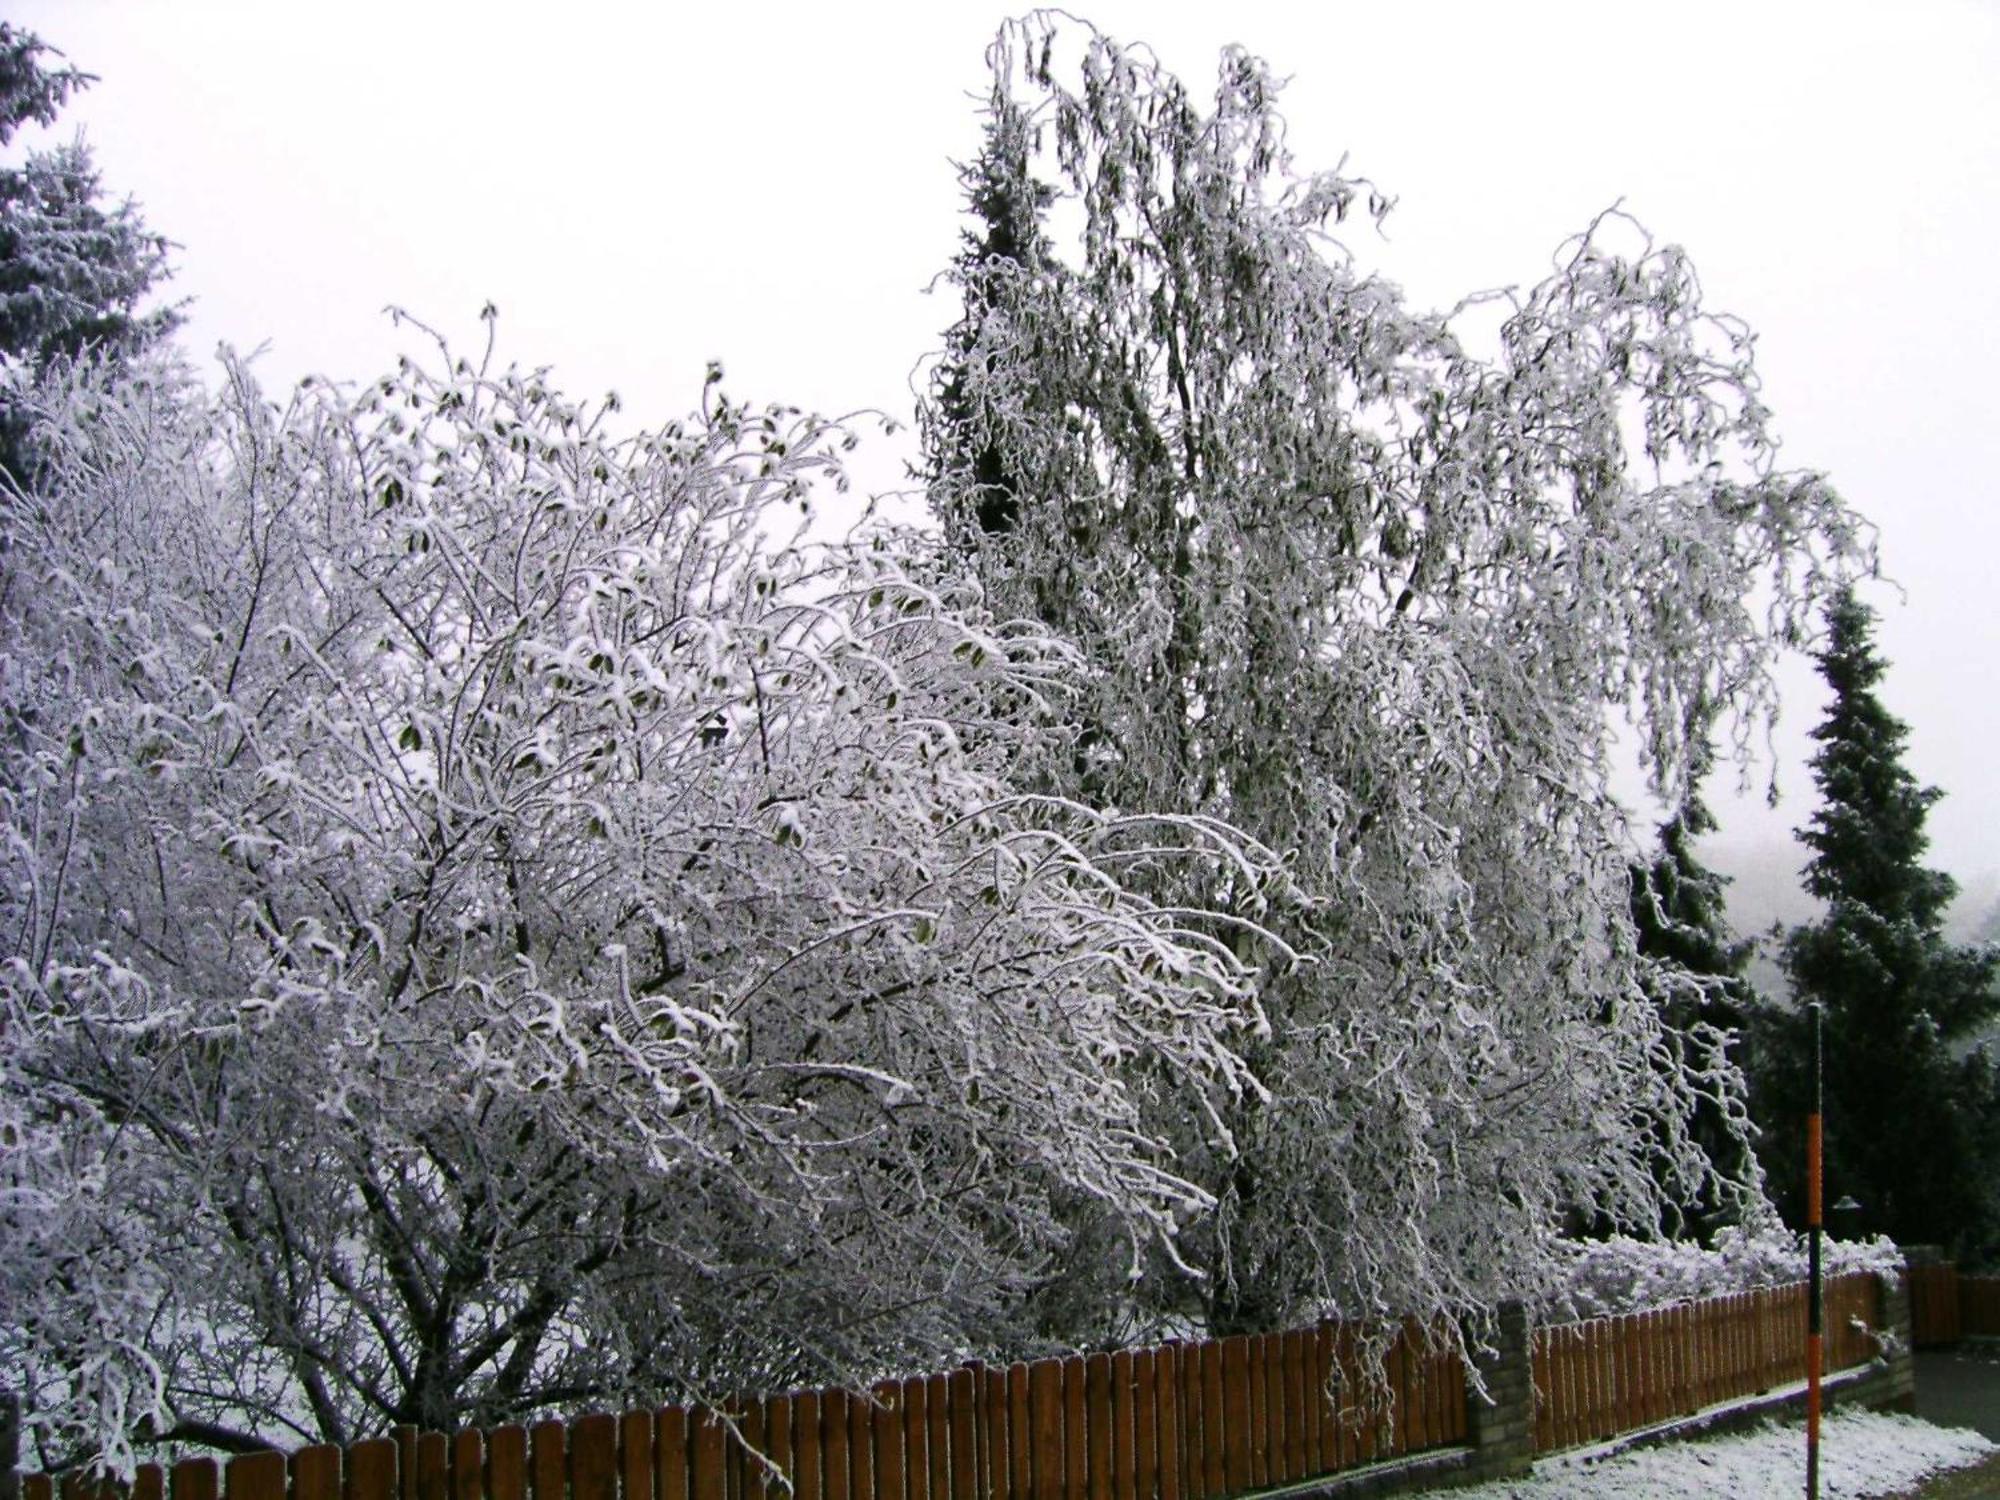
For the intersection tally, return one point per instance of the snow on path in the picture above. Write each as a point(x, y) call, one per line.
point(1861, 1453)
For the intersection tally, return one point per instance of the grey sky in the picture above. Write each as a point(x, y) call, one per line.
point(643, 187)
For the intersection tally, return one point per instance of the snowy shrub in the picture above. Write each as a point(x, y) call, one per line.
point(495, 918)
point(1621, 1274)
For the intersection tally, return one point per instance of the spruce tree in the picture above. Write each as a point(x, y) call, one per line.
point(74, 268)
point(1697, 978)
point(1909, 1104)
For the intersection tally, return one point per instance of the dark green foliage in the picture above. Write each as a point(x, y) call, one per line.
point(73, 269)
point(1911, 1106)
point(1008, 203)
point(1697, 979)
point(29, 91)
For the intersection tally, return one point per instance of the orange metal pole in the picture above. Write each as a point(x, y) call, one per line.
point(1815, 1310)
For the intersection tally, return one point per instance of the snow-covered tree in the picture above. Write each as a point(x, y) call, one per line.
point(74, 271)
point(1912, 1117)
point(1374, 584)
point(1695, 970)
point(494, 921)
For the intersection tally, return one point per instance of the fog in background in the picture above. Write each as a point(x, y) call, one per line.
point(643, 188)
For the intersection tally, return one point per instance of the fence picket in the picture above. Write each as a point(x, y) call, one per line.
point(370, 1471)
point(833, 1439)
point(546, 1477)
point(962, 1412)
point(315, 1475)
point(1075, 1429)
point(1292, 1358)
point(1214, 1451)
point(741, 1445)
point(1278, 1441)
point(1580, 1383)
point(860, 1447)
point(1658, 1381)
point(885, 1421)
point(913, 1399)
point(781, 1457)
point(1255, 1419)
point(433, 1466)
point(1626, 1408)
point(1045, 1427)
point(670, 1453)
point(1445, 1377)
point(255, 1476)
point(1145, 1426)
point(1234, 1410)
point(1267, 1358)
point(1357, 1427)
point(1123, 1458)
point(1021, 1435)
point(996, 1446)
point(808, 1458)
point(593, 1457)
point(1099, 1425)
point(1430, 1389)
point(468, 1465)
point(506, 1464)
point(193, 1479)
point(1167, 1421)
point(1402, 1409)
point(937, 1437)
point(1319, 1376)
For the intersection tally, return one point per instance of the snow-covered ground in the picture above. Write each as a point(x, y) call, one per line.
point(1861, 1453)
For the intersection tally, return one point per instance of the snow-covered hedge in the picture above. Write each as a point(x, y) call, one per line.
point(1622, 1275)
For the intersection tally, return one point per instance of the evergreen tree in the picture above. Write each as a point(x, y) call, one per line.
point(1696, 975)
point(73, 269)
point(1909, 1107)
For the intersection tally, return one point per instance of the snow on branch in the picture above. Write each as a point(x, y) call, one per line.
point(497, 920)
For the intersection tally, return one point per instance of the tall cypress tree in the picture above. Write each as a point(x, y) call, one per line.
point(1910, 1106)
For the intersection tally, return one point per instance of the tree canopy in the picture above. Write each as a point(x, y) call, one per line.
point(1374, 584)
point(500, 916)
point(1912, 1111)
point(496, 920)
point(74, 270)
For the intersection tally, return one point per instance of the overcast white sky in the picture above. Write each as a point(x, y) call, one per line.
point(643, 187)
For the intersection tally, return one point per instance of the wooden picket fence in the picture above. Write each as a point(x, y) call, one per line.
point(1947, 1305)
point(1596, 1379)
point(1185, 1421)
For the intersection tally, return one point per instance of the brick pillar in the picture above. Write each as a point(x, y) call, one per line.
point(1502, 1423)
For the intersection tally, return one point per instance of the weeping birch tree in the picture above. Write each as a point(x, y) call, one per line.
point(1374, 584)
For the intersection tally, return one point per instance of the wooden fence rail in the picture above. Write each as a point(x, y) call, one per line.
point(1598, 1378)
point(1184, 1421)
point(1946, 1305)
